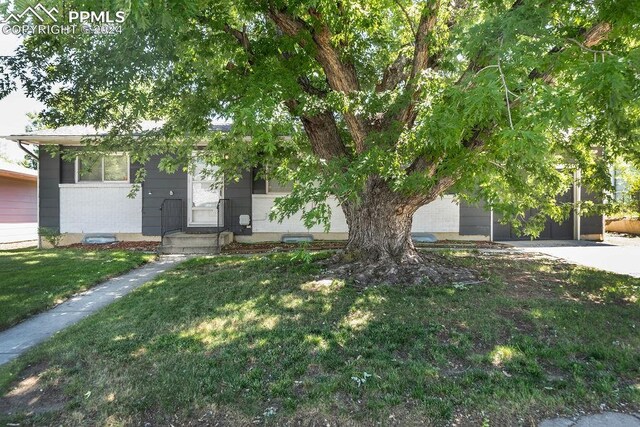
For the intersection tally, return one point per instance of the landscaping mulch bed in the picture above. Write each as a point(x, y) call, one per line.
point(262, 247)
point(252, 248)
point(463, 244)
point(143, 246)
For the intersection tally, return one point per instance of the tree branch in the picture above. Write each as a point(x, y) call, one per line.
point(406, 15)
point(427, 23)
point(243, 40)
point(322, 131)
point(586, 49)
point(428, 19)
point(341, 75)
point(394, 74)
point(592, 37)
point(479, 135)
point(596, 34)
point(506, 94)
point(240, 36)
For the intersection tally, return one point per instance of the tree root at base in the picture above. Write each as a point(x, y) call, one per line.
point(417, 269)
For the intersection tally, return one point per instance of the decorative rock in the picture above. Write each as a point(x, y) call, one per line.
point(99, 239)
point(423, 238)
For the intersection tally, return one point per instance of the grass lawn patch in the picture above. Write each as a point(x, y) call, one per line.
point(32, 280)
point(246, 340)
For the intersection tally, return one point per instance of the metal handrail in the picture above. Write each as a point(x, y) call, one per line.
point(226, 219)
point(167, 216)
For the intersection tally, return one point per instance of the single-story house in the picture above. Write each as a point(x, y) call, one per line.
point(18, 204)
point(80, 203)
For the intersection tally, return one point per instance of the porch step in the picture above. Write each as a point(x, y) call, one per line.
point(172, 249)
point(184, 243)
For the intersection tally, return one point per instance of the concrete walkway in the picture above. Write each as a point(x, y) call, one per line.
point(18, 339)
point(606, 419)
point(617, 255)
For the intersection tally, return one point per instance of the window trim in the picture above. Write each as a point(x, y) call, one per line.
point(102, 181)
point(266, 188)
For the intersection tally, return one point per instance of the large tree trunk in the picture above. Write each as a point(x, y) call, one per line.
point(380, 250)
point(380, 226)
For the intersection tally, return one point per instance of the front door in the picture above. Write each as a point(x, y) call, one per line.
point(204, 194)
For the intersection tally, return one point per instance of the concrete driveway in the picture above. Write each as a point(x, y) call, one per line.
point(615, 254)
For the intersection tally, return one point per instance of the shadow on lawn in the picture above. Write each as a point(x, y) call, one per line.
point(20, 259)
point(33, 280)
point(259, 337)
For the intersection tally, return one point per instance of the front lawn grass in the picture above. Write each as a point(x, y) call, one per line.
point(246, 340)
point(32, 280)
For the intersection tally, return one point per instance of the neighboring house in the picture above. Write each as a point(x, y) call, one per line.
point(18, 204)
point(79, 203)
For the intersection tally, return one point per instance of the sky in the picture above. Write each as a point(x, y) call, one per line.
point(14, 108)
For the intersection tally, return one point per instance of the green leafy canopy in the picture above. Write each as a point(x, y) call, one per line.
point(494, 100)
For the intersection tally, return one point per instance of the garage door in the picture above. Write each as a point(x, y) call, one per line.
point(552, 229)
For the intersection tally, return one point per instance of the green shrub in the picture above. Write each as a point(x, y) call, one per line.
point(302, 255)
point(51, 235)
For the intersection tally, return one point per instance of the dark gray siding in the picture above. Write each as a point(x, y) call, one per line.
point(259, 185)
point(133, 169)
point(157, 187)
point(552, 230)
point(49, 191)
point(592, 224)
point(68, 168)
point(502, 231)
point(67, 172)
point(474, 220)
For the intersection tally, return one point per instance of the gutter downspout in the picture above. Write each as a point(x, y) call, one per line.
point(29, 153)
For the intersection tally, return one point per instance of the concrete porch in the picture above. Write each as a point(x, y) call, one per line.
point(191, 243)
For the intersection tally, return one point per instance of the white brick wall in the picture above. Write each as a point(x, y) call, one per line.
point(262, 204)
point(99, 208)
point(441, 215)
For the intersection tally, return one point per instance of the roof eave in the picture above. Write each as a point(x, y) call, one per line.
point(49, 139)
point(68, 140)
point(18, 175)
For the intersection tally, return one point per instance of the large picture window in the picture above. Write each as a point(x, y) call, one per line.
point(108, 168)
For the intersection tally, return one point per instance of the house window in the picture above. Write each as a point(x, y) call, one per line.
point(276, 187)
point(108, 168)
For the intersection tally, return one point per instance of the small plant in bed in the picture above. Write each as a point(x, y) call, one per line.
point(51, 235)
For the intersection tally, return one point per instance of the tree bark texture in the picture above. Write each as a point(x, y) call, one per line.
point(380, 225)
